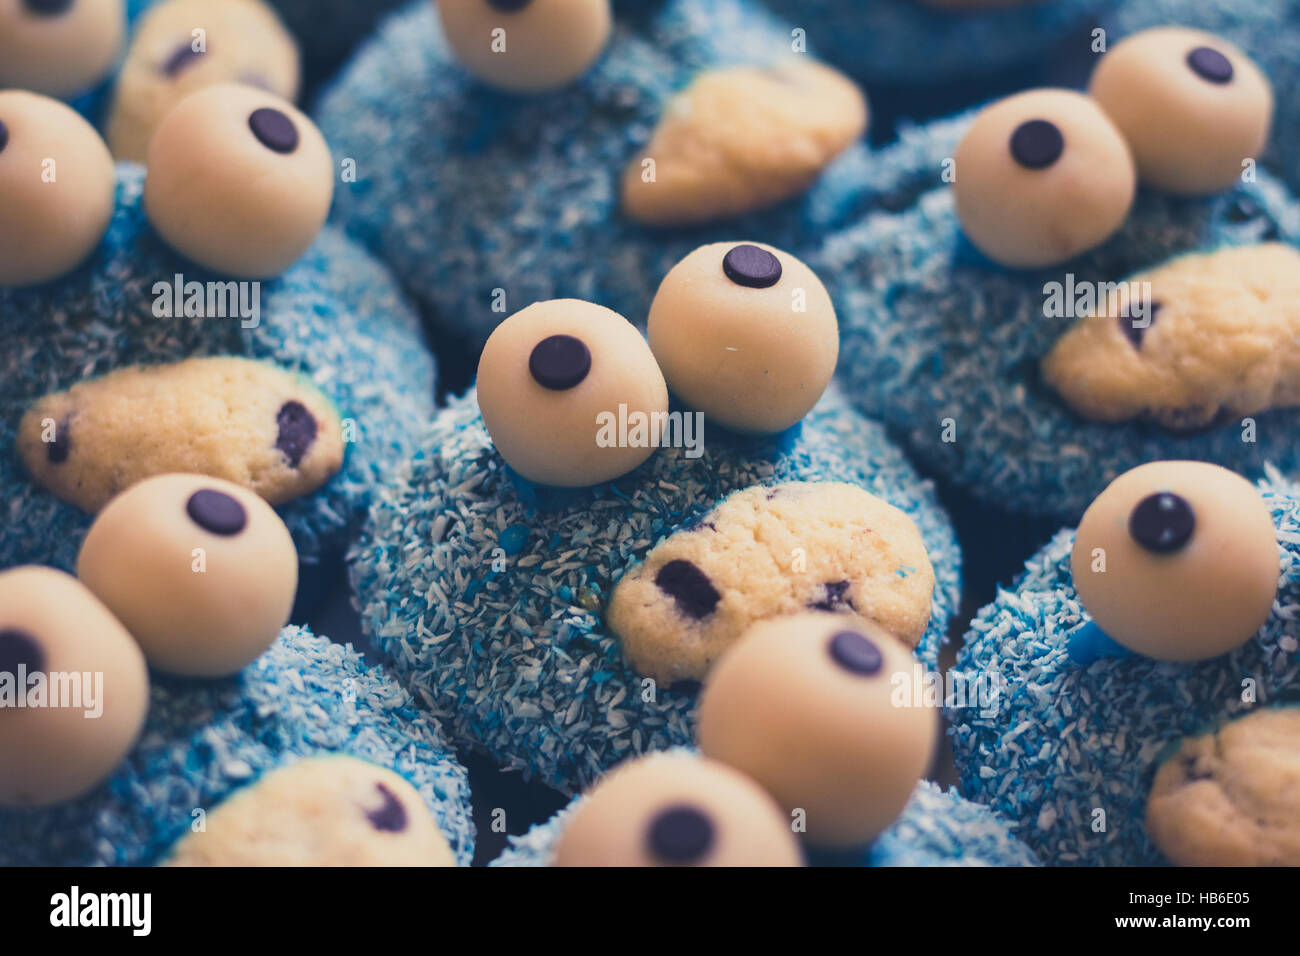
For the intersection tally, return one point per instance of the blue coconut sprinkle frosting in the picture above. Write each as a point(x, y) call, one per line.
point(1069, 752)
point(944, 347)
point(471, 195)
point(335, 317)
point(487, 595)
point(911, 43)
point(204, 740)
point(936, 828)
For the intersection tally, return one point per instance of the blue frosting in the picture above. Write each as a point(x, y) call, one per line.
point(912, 42)
point(203, 740)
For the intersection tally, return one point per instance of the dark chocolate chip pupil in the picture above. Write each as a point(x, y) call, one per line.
point(1037, 143)
point(680, 835)
point(752, 267)
point(48, 8)
point(217, 512)
point(4, 136)
point(1135, 333)
point(297, 431)
point(57, 451)
point(689, 587)
point(835, 596)
point(274, 130)
point(856, 653)
point(183, 56)
point(559, 362)
point(1210, 65)
point(508, 6)
point(1162, 522)
point(391, 817)
point(20, 648)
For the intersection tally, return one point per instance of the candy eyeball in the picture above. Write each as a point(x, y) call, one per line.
point(321, 811)
point(554, 383)
point(526, 46)
point(1042, 177)
point(1192, 106)
point(59, 47)
point(201, 571)
point(238, 181)
point(57, 188)
point(74, 688)
point(804, 705)
point(1177, 560)
point(181, 46)
point(746, 334)
point(677, 809)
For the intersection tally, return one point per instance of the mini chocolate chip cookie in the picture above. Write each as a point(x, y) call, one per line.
point(1205, 337)
point(248, 422)
point(767, 552)
point(1227, 798)
point(320, 811)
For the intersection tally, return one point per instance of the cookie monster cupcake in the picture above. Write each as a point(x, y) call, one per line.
point(1041, 324)
point(565, 556)
point(157, 328)
point(1266, 28)
point(760, 795)
point(928, 43)
point(508, 153)
point(1147, 665)
point(305, 757)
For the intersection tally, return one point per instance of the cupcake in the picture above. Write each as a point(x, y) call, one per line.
point(259, 348)
point(501, 154)
point(562, 560)
point(1146, 664)
point(305, 757)
point(1042, 324)
point(928, 43)
point(762, 794)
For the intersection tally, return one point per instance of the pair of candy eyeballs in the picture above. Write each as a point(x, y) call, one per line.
point(1176, 561)
point(238, 181)
point(781, 731)
point(1046, 175)
point(573, 395)
point(192, 574)
point(59, 47)
point(526, 46)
